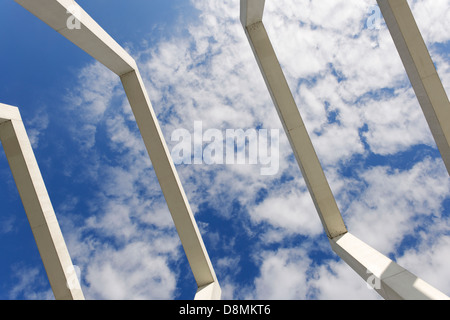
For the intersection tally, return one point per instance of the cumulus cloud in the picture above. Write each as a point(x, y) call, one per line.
point(430, 259)
point(283, 276)
point(426, 14)
point(135, 272)
point(394, 202)
point(337, 281)
point(292, 211)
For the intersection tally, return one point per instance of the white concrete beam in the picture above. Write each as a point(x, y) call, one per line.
point(168, 179)
point(88, 35)
point(39, 210)
point(8, 113)
point(95, 41)
point(251, 11)
point(390, 280)
point(211, 291)
point(421, 71)
point(293, 124)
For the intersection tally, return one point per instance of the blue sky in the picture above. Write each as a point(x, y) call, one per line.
point(262, 233)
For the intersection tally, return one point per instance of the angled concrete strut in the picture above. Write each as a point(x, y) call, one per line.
point(91, 38)
point(421, 71)
point(38, 207)
point(251, 18)
point(392, 281)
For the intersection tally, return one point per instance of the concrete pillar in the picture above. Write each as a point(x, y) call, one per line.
point(251, 18)
point(421, 71)
point(91, 38)
point(168, 179)
point(38, 207)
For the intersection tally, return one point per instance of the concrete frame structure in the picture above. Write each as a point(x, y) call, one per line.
point(91, 38)
point(393, 281)
point(38, 207)
point(421, 71)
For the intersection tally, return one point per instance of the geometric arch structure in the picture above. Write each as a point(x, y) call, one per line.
point(393, 281)
point(46, 231)
point(91, 38)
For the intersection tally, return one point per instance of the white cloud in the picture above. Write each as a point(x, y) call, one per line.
point(7, 223)
point(390, 206)
point(338, 281)
point(135, 272)
point(395, 123)
point(433, 19)
point(283, 276)
point(293, 211)
point(125, 241)
point(28, 279)
point(36, 126)
point(430, 260)
point(89, 100)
